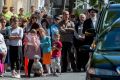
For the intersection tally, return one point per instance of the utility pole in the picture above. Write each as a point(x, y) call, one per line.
point(1, 5)
point(64, 5)
point(5, 2)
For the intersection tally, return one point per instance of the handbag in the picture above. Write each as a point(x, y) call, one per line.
point(3, 48)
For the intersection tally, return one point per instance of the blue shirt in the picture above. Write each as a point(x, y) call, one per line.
point(45, 44)
point(52, 30)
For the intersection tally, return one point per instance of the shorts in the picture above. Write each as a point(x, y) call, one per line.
point(47, 58)
point(56, 62)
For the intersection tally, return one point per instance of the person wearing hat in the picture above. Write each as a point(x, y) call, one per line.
point(54, 28)
point(37, 66)
point(89, 27)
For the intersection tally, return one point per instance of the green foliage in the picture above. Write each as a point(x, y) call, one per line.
point(93, 2)
point(77, 12)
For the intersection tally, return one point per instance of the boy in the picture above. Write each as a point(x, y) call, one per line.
point(56, 54)
point(37, 67)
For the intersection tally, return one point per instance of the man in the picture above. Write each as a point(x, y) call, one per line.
point(54, 28)
point(12, 11)
point(21, 13)
point(78, 39)
point(67, 33)
point(89, 27)
point(6, 13)
point(32, 11)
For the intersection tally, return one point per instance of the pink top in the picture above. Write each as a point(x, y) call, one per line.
point(31, 40)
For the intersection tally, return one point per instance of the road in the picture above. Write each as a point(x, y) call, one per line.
point(63, 76)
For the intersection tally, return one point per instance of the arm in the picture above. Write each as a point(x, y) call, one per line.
point(71, 28)
point(20, 36)
point(46, 43)
point(57, 46)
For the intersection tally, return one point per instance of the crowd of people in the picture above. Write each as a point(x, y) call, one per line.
point(44, 44)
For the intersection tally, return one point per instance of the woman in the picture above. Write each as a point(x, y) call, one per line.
point(4, 32)
point(32, 24)
point(3, 52)
point(15, 42)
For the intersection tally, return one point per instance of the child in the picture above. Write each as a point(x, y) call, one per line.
point(56, 54)
point(46, 49)
point(32, 48)
point(37, 67)
point(3, 52)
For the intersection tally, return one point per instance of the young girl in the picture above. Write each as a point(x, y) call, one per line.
point(3, 52)
point(56, 54)
point(32, 48)
point(15, 42)
point(46, 49)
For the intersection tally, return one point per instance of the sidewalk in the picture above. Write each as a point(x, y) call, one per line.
point(63, 76)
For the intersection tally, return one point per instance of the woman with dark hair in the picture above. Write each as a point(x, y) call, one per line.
point(32, 24)
point(3, 52)
point(4, 31)
point(15, 42)
point(45, 24)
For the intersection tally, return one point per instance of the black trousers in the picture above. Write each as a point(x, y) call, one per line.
point(30, 66)
point(15, 56)
point(67, 52)
point(78, 53)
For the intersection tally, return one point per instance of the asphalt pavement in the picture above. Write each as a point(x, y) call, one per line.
point(63, 76)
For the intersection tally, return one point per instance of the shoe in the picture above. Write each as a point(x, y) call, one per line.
point(13, 76)
point(14, 73)
point(1, 75)
point(18, 76)
point(55, 74)
point(64, 71)
point(74, 70)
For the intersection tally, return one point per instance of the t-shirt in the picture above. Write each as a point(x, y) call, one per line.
point(13, 32)
point(3, 47)
point(37, 66)
point(57, 53)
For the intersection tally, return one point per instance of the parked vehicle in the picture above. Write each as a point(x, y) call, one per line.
point(104, 63)
point(107, 16)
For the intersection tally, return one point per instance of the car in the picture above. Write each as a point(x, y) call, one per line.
point(104, 61)
point(107, 16)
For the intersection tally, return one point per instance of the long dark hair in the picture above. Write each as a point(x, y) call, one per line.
point(45, 21)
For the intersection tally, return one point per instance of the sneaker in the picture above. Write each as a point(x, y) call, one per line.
point(1, 75)
point(13, 76)
point(14, 73)
point(17, 76)
point(55, 74)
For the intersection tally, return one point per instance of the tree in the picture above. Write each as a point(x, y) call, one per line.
point(71, 5)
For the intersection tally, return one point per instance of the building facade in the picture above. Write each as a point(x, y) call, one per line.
point(21, 4)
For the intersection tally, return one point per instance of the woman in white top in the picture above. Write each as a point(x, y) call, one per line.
point(3, 52)
point(15, 41)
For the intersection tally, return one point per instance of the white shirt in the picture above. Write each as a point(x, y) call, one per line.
point(17, 31)
point(79, 34)
point(94, 20)
point(3, 47)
